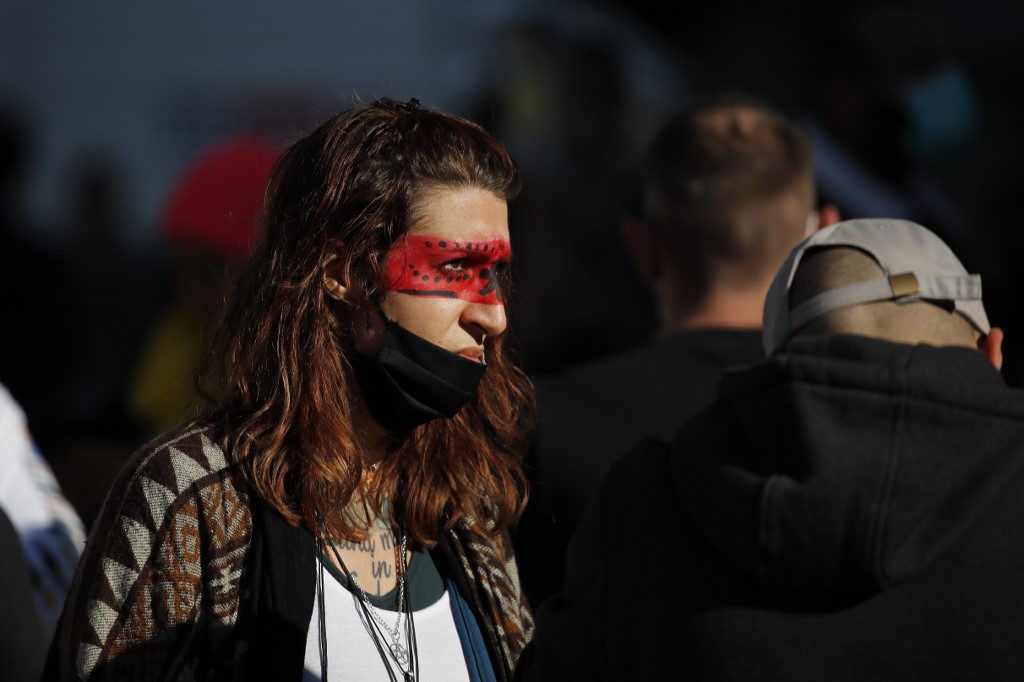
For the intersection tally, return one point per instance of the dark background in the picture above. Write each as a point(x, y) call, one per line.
point(102, 106)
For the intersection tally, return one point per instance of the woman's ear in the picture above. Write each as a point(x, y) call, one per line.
point(335, 289)
point(335, 280)
point(366, 324)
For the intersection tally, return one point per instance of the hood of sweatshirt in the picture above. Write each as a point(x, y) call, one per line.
point(844, 462)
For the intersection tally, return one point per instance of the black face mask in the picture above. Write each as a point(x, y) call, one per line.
point(412, 381)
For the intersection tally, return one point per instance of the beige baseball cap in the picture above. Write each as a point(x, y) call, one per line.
point(917, 266)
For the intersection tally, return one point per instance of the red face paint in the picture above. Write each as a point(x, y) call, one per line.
point(445, 268)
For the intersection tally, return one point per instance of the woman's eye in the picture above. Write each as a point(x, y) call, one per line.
point(457, 265)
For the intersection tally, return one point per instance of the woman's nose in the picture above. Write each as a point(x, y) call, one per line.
point(490, 318)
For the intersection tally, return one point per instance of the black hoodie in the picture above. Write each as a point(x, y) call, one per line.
point(850, 509)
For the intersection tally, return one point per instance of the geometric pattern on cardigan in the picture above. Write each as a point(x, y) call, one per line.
point(176, 533)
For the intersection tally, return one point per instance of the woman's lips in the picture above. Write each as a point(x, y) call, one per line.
point(474, 354)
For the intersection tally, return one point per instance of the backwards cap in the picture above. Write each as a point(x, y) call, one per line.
point(216, 200)
point(917, 266)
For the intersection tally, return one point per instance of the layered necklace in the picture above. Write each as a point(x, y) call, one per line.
point(387, 639)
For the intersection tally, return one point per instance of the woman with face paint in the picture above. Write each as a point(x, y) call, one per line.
point(343, 513)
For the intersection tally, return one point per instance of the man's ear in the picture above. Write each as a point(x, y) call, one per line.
point(991, 346)
point(335, 280)
point(828, 214)
point(646, 257)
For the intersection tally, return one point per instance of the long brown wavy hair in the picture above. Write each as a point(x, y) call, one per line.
point(347, 191)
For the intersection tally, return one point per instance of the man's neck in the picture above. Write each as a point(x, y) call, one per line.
point(719, 309)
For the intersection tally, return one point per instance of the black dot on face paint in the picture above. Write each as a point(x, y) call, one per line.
point(436, 280)
point(415, 273)
point(443, 245)
point(485, 274)
point(427, 244)
point(501, 247)
point(486, 247)
point(411, 266)
point(426, 277)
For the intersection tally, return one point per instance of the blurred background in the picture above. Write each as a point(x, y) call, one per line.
point(915, 109)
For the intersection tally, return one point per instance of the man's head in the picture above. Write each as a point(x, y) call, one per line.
point(888, 279)
point(728, 190)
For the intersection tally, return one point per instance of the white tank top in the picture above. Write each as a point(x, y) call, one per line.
point(351, 654)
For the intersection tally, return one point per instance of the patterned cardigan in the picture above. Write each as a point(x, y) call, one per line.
point(179, 579)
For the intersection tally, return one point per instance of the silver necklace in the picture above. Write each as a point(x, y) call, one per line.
point(398, 651)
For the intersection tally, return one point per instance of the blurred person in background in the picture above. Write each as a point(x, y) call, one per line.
point(891, 105)
point(565, 107)
point(23, 637)
point(75, 302)
point(727, 191)
point(34, 357)
point(208, 226)
point(51, 534)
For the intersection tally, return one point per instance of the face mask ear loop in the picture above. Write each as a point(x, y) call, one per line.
point(378, 307)
point(375, 307)
point(357, 310)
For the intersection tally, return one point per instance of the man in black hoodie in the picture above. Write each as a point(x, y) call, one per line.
point(847, 509)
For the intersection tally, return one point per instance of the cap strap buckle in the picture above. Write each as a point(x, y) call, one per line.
point(904, 284)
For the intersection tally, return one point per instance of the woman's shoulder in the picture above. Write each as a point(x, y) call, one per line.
point(178, 523)
point(192, 447)
point(188, 454)
point(185, 464)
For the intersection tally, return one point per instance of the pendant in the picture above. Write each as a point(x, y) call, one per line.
point(401, 654)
